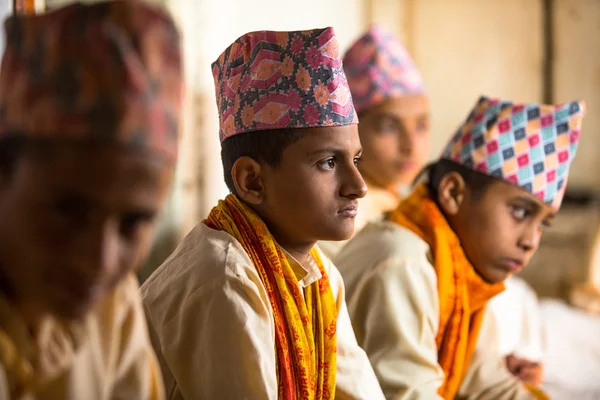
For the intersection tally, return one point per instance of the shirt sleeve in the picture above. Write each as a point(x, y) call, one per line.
point(138, 375)
point(355, 378)
point(220, 344)
point(396, 310)
point(487, 377)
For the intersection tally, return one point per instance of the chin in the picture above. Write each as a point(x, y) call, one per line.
point(496, 277)
point(493, 275)
point(337, 235)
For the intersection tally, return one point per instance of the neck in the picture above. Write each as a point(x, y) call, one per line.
point(373, 184)
point(298, 249)
point(300, 254)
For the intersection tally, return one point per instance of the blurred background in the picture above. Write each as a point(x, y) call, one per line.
point(524, 50)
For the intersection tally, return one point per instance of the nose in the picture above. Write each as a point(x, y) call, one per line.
point(406, 140)
point(102, 255)
point(530, 239)
point(353, 185)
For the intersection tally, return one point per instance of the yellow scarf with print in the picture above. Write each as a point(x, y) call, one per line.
point(305, 326)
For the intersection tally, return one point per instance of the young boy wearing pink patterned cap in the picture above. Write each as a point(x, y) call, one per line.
point(418, 283)
point(247, 306)
point(89, 114)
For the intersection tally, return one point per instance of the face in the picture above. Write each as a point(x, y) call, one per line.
point(75, 220)
point(313, 194)
point(500, 229)
point(395, 139)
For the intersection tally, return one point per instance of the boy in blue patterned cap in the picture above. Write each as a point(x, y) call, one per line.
point(418, 284)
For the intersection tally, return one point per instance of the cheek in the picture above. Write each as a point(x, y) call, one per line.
point(495, 233)
point(385, 147)
point(423, 145)
point(298, 197)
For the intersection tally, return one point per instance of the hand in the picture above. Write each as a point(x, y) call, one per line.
point(527, 371)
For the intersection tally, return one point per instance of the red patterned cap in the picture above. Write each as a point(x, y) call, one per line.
point(272, 80)
point(109, 70)
point(379, 67)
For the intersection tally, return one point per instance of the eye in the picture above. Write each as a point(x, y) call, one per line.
point(546, 224)
point(70, 211)
point(356, 161)
point(519, 213)
point(327, 164)
point(134, 222)
point(422, 125)
point(387, 126)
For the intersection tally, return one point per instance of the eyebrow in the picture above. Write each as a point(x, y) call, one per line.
point(330, 150)
point(386, 114)
point(533, 204)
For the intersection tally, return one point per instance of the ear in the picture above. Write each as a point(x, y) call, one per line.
point(451, 193)
point(246, 175)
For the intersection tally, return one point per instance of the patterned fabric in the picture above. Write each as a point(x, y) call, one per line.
point(109, 71)
point(305, 326)
point(273, 80)
point(462, 293)
point(378, 67)
point(529, 145)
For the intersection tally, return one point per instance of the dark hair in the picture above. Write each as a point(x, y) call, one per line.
point(262, 146)
point(476, 181)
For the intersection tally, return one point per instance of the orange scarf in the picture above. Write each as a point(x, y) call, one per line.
point(305, 327)
point(462, 293)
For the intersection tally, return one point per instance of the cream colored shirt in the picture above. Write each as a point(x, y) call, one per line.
point(212, 324)
point(107, 356)
point(393, 302)
point(371, 208)
point(518, 320)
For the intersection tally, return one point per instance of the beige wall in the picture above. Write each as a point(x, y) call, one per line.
point(466, 48)
point(577, 76)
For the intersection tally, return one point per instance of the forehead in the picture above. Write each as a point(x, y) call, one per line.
point(339, 138)
point(105, 174)
point(502, 191)
point(403, 107)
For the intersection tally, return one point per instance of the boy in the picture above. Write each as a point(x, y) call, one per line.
point(393, 107)
point(89, 113)
point(247, 307)
point(418, 283)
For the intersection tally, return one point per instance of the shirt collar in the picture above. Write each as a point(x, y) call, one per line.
point(307, 272)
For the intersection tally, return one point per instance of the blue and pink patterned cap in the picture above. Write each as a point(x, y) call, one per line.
point(529, 145)
point(378, 68)
point(273, 80)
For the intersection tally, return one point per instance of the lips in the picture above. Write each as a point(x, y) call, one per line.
point(513, 265)
point(350, 210)
point(405, 165)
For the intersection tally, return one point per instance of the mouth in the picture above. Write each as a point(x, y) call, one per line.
point(513, 265)
point(406, 165)
point(349, 211)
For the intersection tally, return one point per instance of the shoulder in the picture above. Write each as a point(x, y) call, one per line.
point(204, 261)
point(380, 242)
